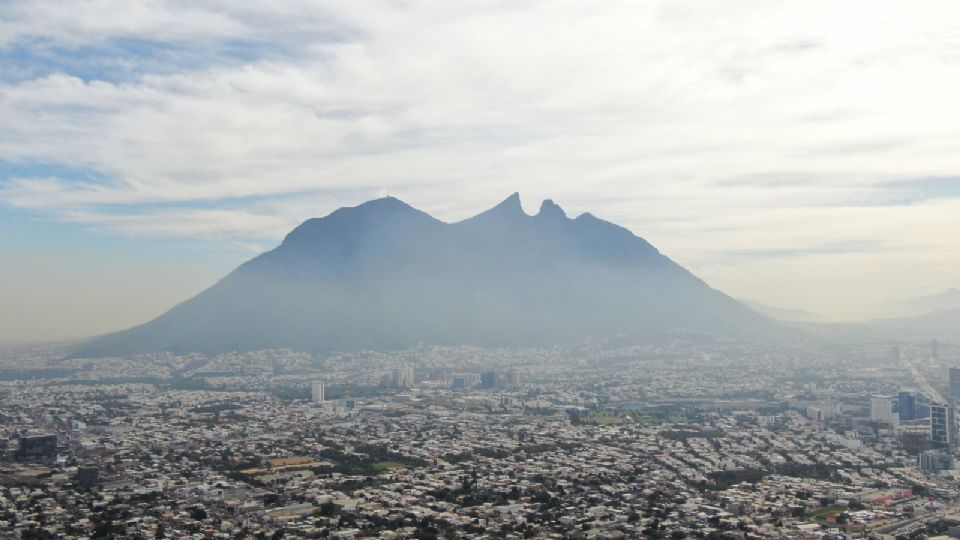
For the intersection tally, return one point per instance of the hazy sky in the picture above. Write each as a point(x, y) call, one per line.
point(805, 154)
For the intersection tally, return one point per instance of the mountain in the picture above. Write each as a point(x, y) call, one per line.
point(385, 275)
point(942, 325)
point(782, 314)
point(948, 299)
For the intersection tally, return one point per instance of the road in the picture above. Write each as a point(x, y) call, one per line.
point(925, 387)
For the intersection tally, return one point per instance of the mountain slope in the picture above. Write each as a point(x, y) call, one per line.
point(948, 299)
point(385, 275)
point(782, 314)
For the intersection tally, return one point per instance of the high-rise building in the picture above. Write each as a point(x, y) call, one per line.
point(512, 378)
point(881, 410)
point(906, 406)
point(316, 391)
point(934, 348)
point(942, 430)
point(895, 353)
point(403, 376)
point(87, 476)
point(815, 413)
point(488, 379)
point(37, 446)
point(955, 384)
point(933, 461)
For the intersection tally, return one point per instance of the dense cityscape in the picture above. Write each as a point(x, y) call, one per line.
point(684, 439)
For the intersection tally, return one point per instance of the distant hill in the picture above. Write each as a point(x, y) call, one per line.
point(948, 299)
point(782, 314)
point(943, 325)
point(386, 275)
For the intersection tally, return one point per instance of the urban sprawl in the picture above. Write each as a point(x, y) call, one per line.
point(685, 439)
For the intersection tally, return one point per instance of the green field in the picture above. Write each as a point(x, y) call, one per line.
point(605, 418)
point(388, 465)
point(826, 512)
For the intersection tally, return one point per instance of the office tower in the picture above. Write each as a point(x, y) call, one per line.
point(907, 406)
point(37, 446)
point(459, 382)
point(403, 376)
point(933, 461)
point(512, 378)
point(895, 352)
point(317, 391)
point(934, 349)
point(488, 379)
point(87, 476)
point(881, 410)
point(955, 384)
point(815, 413)
point(942, 431)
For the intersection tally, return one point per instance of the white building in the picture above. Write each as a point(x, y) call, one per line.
point(403, 376)
point(881, 410)
point(317, 391)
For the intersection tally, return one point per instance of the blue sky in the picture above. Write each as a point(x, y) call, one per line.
point(799, 153)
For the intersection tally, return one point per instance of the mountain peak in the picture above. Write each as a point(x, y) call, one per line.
point(510, 205)
point(550, 209)
point(384, 203)
point(348, 221)
point(509, 209)
point(513, 199)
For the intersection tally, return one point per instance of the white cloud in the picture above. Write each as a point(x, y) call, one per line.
point(669, 117)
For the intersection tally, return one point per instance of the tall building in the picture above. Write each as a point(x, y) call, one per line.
point(881, 410)
point(488, 379)
point(933, 461)
point(955, 384)
point(934, 348)
point(895, 352)
point(87, 476)
point(942, 430)
point(403, 376)
point(512, 378)
point(816, 413)
point(316, 391)
point(907, 406)
point(37, 446)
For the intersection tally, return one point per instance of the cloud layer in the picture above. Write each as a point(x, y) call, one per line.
point(802, 153)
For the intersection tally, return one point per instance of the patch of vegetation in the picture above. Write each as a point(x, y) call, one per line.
point(602, 418)
point(823, 513)
point(727, 479)
point(816, 471)
point(368, 460)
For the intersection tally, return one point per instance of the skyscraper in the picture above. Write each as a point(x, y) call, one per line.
point(942, 431)
point(954, 384)
point(907, 406)
point(316, 392)
point(512, 378)
point(488, 379)
point(404, 376)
